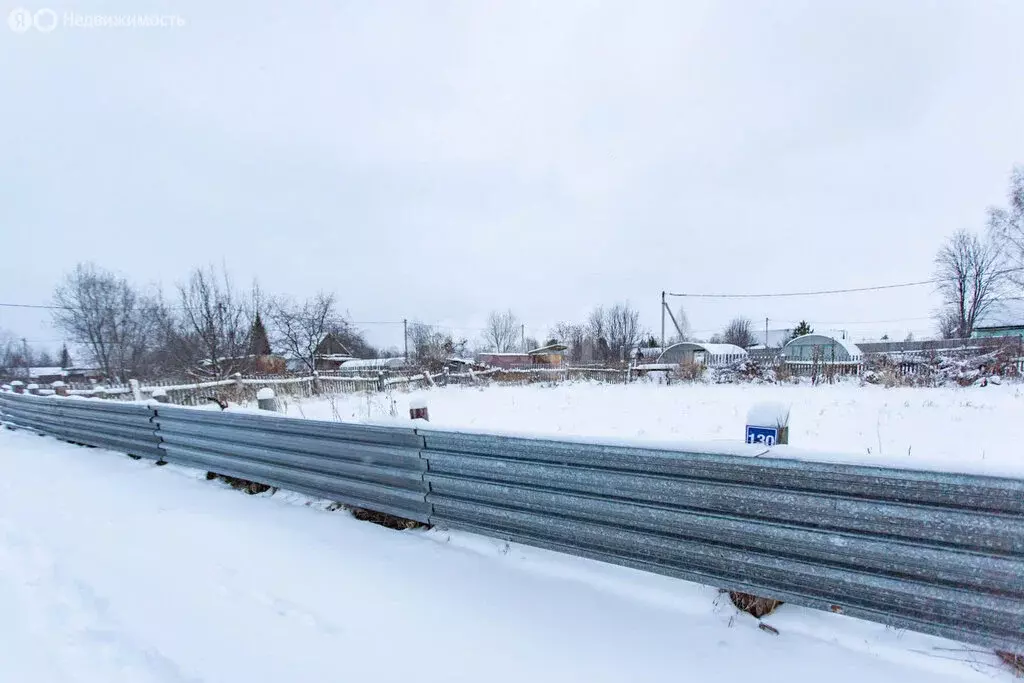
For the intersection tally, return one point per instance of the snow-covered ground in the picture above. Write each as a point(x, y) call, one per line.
point(975, 429)
point(114, 570)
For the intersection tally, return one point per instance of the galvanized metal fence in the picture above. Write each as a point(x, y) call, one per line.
point(927, 551)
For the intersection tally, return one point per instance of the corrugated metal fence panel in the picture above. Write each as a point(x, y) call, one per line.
point(933, 552)
point(38, 413)
point(126, 427)
point(377, 468)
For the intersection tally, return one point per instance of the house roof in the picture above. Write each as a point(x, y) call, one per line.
point(550, 348)
point(332, 345)
point(34, 373)
point(1004, 314)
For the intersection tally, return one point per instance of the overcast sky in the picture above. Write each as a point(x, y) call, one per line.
point(436, 160)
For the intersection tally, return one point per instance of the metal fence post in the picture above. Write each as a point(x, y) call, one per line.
point(767, 424)
point(266, 399)
point(418, 409)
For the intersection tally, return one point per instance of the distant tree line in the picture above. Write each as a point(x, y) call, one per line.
point(207, 327)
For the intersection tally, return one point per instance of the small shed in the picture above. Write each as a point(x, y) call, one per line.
point(547, 355)
point(699, 353)
point(47, 375)
point(822, 348)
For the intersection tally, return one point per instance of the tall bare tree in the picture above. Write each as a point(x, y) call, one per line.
point(597, 334)
point(970, 276)
point(1006, 229)
point(107, 316)
point(300, 327)
point(502, 331)
point(738, 332)
point(623, 329)
point(572, 335)
point(214, 324)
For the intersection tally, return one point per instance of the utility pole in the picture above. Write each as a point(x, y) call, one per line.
point(766, 334)
point(405, 334)
point(662, 320)
point(523, 329)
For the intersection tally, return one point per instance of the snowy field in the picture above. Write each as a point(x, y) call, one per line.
point(118, 571)
point(974, 429)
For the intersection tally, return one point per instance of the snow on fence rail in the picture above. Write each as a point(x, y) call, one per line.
point(935, 552)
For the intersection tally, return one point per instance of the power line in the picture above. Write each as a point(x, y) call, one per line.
point(41, 306)
point(855, 322)
point(820, 292)
point(809, 293)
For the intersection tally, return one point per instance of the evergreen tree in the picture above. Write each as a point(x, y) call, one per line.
point(802, 329)
point(65, 357)
point(260, 344)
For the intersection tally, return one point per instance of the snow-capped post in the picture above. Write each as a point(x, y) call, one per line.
point(33, 389)
point(266, 400)
point(380, 380)
point(60, 388)
point(418, 409)
point(18, 386)
point(134, 385)
point(767, 424)
point(160, 395)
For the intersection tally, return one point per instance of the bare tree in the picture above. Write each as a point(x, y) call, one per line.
point(107, 316)
point(970, 278)
point(597, 334)
point(738, 332)
point(213, 329)
point(572, 335)
point(301, 327)
point(502, 332)
point(432, 347)
point(624, 330)
point(1006, 229)
point(11, 355)
point(947, 323)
